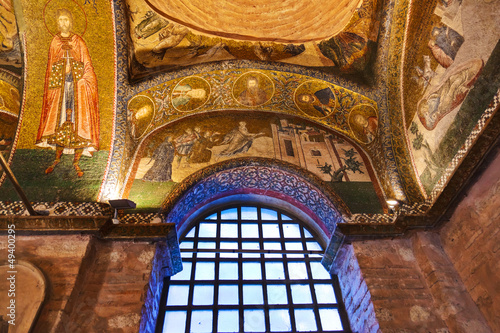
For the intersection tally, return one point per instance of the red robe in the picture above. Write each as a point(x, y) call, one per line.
point(84, 132)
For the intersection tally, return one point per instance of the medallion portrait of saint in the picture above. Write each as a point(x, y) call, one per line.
point(363, 122)
point(190, 93)
point(69, 121)
point(315, 99)
point(253, 89)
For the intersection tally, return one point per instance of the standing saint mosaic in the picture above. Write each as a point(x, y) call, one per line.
point(69, 121)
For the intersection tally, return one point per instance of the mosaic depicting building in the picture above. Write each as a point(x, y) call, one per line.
point(249, 166)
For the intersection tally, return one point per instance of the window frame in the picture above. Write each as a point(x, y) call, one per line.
point(264, 256)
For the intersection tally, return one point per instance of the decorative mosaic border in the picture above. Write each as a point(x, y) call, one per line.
point(256, 179)
point(462, 152)
point(10, 208)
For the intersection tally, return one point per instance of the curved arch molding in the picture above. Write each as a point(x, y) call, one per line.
point(326, 209)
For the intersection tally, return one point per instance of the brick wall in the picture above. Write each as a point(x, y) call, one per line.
point(59, 258)
point(472, 240)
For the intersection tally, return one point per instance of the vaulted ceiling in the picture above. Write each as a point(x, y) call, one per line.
point(361, 101)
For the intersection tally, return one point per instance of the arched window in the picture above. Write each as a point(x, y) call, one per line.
point(251, 269)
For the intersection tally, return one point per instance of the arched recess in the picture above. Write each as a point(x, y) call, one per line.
point(273, 184)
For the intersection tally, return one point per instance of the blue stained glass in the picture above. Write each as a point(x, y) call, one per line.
point(252, 271)
point(325, 294)
point(175, 322)
point(305, 320)
point(280, 321)
point(185, 274)
point(249, 213)
point(229, 246)
point(177, 295)
point(330, 319)
point(212, 217)
point(228, 321)
point(204, 271)
point(203, 295)
point(228, 271)
point(191, 233)
point(301, 294)
point(270, 230)
point(291, 230)
point(319, 271)
point(268, 214)
point(229, 214)
point(250, 246)
point(228, 294)
point(272, 246)
point(276, 294)
point(252, 294)
point(250, 230)
point(275, 271)
point(254, 321)
point(207, 230)
point(206, 245)
point(297, 270)
point(293, 246)
point(201, 322)
point(229, 230)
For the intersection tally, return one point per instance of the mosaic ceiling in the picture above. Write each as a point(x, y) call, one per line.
point(158, 101)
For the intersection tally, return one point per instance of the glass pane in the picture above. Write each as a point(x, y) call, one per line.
point(204, 271)
point(307, 234)
point(276, 294)
point(185, 274)
point(268, 214)
point(249, 213)
point(228, 271)
point(297, 270)
point(175, 322)
point(272, 246)
point(191, 233)
point(253, 321)
point(177, 295)
point(250, 230)
point(201, 322)
point(252, 294)
point(208, 229)
point(186, 245)
point(252, 271)
point(325, 293)
point(229, 230)
point(319, 271)
point(305, 320)
point(285, 218)
point(270, 230)
point(313, 246)
point(228, 321)
point(280, 320)
point(294, 246)
point(229, 214)
point(203, 295)
point(228, 294)
point(229, 246)
point(275, 271)
point(250, 246)
point(291, 230)
point(206, 245)
point(212, 217)
point(330, 319)
point(301, 294)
